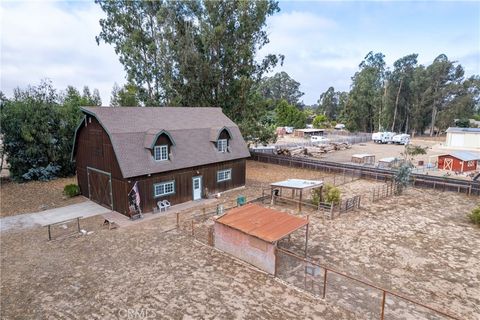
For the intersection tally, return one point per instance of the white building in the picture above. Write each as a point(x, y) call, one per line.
point(463, 138)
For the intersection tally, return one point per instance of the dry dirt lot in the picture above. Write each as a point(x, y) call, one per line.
point(17, 198)
point(108, 274)
point(419, 244)
point(433, 145)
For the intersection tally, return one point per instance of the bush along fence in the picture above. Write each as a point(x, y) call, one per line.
point(353, 294)
point(365, 172)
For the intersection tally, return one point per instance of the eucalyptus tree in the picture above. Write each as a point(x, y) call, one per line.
point(281, 86)
point(191, 53)
point(400, 89)
point(328, 103)
point(366, 95)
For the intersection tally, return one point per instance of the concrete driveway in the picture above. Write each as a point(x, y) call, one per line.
point(46, 217)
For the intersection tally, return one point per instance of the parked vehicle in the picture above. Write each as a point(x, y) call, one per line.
point(383, 137)
point(319, 139)
point(289, 130)
point(401, 139)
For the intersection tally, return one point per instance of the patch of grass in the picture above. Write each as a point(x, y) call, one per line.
point(71, 190)
point(475, 216)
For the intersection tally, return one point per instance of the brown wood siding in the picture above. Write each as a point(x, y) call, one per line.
point(183, 182)
point(94, 149)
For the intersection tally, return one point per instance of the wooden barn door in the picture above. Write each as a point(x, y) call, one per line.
point(448, 164)
point(100, 187)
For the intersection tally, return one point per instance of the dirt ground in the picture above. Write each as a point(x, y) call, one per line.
point(420, 244)
point(17, 198)
point(433, 145)
point(111, 274)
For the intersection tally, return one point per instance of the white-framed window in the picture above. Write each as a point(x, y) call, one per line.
point(164, 188)
point(470, 163)
point(160, 153)
point(222, 145)
point(224, 175)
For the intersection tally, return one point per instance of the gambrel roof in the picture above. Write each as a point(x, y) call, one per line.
point(133, 131)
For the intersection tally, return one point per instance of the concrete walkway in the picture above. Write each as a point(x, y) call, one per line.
point(43, 218)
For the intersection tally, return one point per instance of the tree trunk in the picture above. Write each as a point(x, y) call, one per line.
point(396, 104)
point(434, 116)
point(382, 106)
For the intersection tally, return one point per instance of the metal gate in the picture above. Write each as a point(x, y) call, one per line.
point(100, 187)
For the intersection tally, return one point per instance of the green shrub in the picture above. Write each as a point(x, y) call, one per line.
point(475, 215)
point(332, 194)
point(316, 196)
point(71, 190)
point(328, 194)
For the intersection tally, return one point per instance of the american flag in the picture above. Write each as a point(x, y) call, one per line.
point(137, 193)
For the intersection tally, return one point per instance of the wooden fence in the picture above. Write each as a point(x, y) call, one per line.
point(384, 191)
point(366, 172)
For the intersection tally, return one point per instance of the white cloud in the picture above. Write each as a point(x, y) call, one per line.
point(310, 56)
point(320, 52)
point(51, 40)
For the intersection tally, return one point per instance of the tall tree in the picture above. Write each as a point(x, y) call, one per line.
point(400, 86)
point(328, 104)
point(443, 76)
point(192, 53)
point(289, 115)
point(281, 86)
point(38, 125)
point(365, 97)
point(126, 96)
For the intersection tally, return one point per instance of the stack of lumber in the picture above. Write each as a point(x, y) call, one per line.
point(312, 151)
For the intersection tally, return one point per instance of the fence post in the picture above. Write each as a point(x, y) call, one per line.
point(383, 305)
point(193, 232)
point(178, 219)
point(324, 283)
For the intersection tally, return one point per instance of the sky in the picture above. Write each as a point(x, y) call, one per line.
point(323, 41)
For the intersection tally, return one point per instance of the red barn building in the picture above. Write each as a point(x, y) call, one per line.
point(459, 161)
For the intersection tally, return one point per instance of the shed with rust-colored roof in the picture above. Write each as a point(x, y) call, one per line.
point(251, 233)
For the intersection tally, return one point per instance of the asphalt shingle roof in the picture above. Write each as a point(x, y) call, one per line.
point(132, 130)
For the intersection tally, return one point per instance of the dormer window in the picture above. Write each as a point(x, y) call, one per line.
point(222, 145)
point(160, 153)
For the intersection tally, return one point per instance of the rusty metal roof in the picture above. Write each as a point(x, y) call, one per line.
point(264, 223)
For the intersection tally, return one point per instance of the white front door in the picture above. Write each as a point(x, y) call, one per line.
point(197, 188)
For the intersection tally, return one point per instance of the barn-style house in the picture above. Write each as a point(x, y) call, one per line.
point(174, 154)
